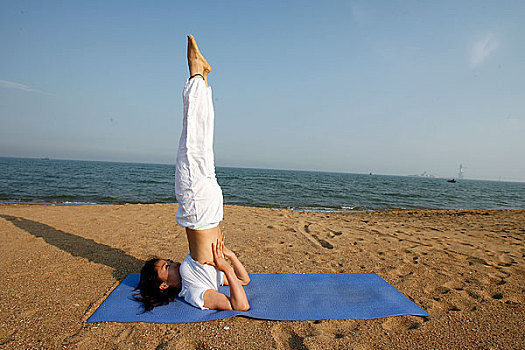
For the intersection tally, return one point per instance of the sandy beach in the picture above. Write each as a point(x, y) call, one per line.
point(465, 268)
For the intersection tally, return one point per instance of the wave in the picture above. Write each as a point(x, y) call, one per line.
point(80, 182)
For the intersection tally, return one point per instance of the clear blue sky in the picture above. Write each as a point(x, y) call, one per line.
point(390, 87)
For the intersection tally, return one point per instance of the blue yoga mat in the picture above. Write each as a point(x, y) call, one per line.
point(279, 296)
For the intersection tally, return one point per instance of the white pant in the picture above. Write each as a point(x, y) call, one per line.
point(196, 188)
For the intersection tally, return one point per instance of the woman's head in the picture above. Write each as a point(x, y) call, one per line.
point(159, 282)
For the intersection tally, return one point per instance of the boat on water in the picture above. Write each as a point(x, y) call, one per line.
point(452, 180)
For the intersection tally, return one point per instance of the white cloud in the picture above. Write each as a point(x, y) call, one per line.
point(13, 85)
point(18, 86)
point(482, 49)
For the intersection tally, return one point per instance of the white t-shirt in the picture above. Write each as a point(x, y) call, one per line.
point(197, 279)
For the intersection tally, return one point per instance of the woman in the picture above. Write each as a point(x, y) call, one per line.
point(200, 211)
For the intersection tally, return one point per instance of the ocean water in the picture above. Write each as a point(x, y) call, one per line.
point(84, 182)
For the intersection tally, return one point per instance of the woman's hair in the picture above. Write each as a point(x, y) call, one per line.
point(149, 293)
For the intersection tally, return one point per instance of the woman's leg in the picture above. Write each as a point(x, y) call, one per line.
point(197, 190)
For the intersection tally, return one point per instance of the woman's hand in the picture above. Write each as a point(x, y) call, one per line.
point(227, 252)
point(218, 261)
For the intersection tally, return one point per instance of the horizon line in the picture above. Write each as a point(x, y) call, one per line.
point(279, 169)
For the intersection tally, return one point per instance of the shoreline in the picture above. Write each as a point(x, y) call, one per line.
point(293, 209)
point(464, 267)
point(321, 210)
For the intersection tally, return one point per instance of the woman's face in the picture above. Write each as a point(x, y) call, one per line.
point(168, 272)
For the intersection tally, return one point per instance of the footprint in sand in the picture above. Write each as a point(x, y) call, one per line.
point(474, 260)
point(6, 336)
point(457, 285)
point(497, 296)
point(437, 291)
point(473, 295)
point(281, 228)
point(505, 260)
point(180, 342)
point(403, 271)
point(512, 303)
point(319, 235)
point(286, 337)
point(350, 329)
point(125, 334)
point(450, 307)
point(453, 296)
point(402, 323)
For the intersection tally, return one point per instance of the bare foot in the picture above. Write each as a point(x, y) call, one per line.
point(196, 61)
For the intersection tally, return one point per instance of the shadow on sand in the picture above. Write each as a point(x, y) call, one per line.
point(120, 261)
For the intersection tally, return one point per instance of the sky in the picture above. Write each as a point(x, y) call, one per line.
point(389, 87)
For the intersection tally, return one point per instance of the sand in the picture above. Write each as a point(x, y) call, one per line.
point(466, 268)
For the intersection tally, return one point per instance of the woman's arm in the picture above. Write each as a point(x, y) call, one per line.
point(216, 300)
point(238, 267)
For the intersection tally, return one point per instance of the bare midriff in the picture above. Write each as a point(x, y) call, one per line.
point(200, 242)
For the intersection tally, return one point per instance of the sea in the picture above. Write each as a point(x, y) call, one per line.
point(74, 182)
